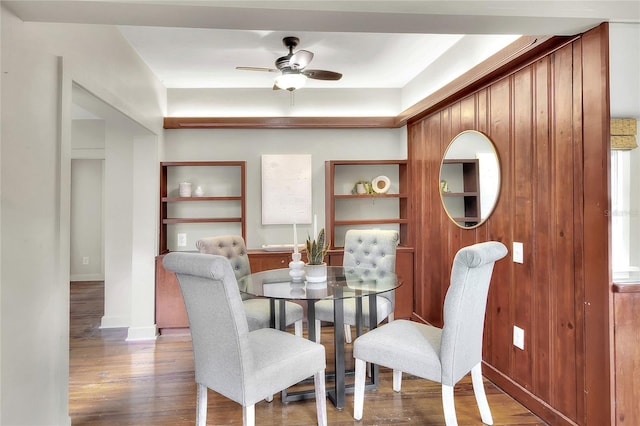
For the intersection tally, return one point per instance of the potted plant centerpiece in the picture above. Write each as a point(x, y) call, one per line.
point(316, 268)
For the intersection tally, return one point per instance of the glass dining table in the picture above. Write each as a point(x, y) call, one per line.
point(342, 283)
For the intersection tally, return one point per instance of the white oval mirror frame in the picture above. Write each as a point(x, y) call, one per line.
point(470, 179)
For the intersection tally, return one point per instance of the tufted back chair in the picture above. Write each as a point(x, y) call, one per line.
point(443, 355)
point(366, 251)
point(242, 365)
point(230, 246)
point(374, 249)
point(258, 311)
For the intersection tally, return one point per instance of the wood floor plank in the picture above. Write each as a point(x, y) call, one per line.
point(114, 382)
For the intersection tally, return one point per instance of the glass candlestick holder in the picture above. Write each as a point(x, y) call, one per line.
point(296, 267)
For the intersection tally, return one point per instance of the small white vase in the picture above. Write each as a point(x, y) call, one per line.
point(184, 189)
point(199, 192)
point(316, 273)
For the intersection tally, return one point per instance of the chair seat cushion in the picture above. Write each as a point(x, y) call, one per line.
point(258, 313)
point(324, 310)
point(403, 345)
point(279, 360)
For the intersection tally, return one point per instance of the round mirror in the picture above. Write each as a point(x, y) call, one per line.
point(469, 179)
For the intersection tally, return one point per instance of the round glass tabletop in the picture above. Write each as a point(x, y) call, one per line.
point(342, 283)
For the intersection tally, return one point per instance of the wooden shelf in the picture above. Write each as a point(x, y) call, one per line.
point(461, 194)
point(345, 210)
point(196, 199)
point(171, 173)
point(464, 177)
point(369, 222)
point(202, 220)
point(341, 175)
point(368, 196)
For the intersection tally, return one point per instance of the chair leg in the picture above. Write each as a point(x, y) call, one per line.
point(298, 328)
point(449, 406)
point(201, 405)
point(318, 330)
point(249, 415)
point(347, 333)
point(358, 394)
point(397, 380)
point(481, 396)
point(321, 398)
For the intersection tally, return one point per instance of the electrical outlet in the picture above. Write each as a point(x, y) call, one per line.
point(182, 240)
point(85, 260)
point(518, 252)
point(518, 337)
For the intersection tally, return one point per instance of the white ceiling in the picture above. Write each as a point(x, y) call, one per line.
point(189, 57)
point(374, 44)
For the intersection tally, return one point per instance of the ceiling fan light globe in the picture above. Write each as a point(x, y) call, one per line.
point(290, 81)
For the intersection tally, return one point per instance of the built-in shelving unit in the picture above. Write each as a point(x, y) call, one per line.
point(223, 202)
point(346, 210)
point(462, 197)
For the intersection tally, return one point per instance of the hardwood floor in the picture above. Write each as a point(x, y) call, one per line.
point(152, 383)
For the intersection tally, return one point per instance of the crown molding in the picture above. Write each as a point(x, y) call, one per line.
point(279, 122)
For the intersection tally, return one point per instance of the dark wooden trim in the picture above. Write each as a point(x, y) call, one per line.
point(280, 123)
point(626, 287)
point(597, 306)
point(525, 397)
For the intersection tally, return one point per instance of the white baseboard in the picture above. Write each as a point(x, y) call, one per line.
point(142, 333)
point(114, 322)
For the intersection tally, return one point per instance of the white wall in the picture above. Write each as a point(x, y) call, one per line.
point(118, 227)
point(87, 228)
point(35, 169)
point(86, 220)
point(466, 53)
point(281, 103)
point(624, 75)
point(250, 145)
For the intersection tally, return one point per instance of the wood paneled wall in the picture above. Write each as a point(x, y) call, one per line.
point(548, 119)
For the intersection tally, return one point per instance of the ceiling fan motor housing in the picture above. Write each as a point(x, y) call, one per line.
point(290, 42)
point(282, 63)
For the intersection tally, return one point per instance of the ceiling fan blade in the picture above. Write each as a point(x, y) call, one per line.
point(322, 74)
point(300, 59)
point(256, 69)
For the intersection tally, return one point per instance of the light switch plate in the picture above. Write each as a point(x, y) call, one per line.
point(518, 252)
point(518, 337)
point(182, 240)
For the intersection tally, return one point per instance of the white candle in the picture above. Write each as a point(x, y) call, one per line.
point(315, 226)
point(295, 239)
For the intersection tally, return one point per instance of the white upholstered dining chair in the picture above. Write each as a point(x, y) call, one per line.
point(244, 366)
point(441, 355)
point(365, 249)
point(258, 310)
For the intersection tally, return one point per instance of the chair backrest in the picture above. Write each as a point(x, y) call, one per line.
point(464, 308)
point(230, 246)
point(218, 324)
point(374, 249)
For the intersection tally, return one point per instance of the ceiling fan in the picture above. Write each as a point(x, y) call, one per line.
point(292, 67)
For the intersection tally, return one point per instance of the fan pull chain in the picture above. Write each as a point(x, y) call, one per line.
point(292, 100)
